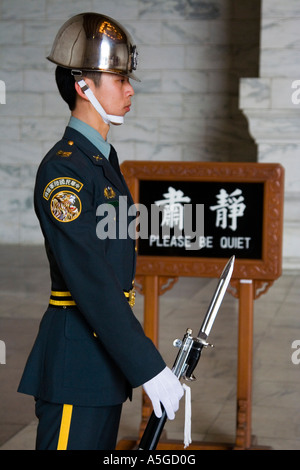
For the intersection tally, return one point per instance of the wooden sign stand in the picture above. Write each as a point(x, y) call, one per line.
point(251, 278)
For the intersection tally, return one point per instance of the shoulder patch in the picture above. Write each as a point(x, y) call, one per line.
point(59, 182)
point(65, 206)
point(62, 153)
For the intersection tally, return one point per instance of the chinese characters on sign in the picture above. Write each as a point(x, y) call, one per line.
point(232, 219)
point(181, 225)
point(229, 208)
point(173, 208)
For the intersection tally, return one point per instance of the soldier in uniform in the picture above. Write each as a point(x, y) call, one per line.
point(90, 350)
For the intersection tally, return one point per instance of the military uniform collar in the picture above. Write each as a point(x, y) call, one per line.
point(96, 157)
point(91, 134)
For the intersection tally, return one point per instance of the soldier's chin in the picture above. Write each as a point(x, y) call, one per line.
point(120, 117)
point(118, 121)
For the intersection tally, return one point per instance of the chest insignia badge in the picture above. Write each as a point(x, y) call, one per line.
point(109, 193)
point(97, 158)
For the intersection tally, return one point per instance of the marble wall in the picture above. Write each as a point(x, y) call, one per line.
point(271, 103)
point(192, 55)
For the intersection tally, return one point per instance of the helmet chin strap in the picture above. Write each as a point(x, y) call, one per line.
point(107, 118)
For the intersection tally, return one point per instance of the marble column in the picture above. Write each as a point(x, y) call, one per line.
point(271, 104)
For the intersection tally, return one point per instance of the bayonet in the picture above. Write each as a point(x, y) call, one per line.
point(190, 349)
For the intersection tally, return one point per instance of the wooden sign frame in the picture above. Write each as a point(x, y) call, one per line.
point(250, 279)
point(271, 175)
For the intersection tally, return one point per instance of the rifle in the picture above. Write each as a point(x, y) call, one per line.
point(190, 349)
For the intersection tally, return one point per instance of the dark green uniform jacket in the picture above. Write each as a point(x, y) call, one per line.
point(93, 352)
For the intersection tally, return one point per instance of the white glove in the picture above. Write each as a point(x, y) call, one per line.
point(164, 388)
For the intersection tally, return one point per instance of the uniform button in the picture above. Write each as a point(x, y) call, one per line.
point(71, 142)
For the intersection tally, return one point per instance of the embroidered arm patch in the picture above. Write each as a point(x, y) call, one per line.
point(58, 182)
point(65, 205)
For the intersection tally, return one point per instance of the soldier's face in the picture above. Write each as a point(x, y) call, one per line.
point(114, 93)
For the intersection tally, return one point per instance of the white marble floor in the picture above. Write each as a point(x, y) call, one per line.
point(24, 289)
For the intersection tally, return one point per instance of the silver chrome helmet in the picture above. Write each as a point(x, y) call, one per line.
point(94, 42)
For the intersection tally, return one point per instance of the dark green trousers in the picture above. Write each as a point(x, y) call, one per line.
point(68, 427)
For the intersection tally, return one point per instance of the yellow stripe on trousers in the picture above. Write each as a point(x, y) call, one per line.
point(65, 427)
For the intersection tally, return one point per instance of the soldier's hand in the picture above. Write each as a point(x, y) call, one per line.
point(164, 388)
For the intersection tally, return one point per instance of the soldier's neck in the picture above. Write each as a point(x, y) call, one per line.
point(93, 119)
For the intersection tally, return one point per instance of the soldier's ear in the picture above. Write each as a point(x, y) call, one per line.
point(80, 92)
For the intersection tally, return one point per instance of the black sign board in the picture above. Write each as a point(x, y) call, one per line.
point(231, 221)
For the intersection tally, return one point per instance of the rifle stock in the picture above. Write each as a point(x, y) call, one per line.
point(153, 431)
